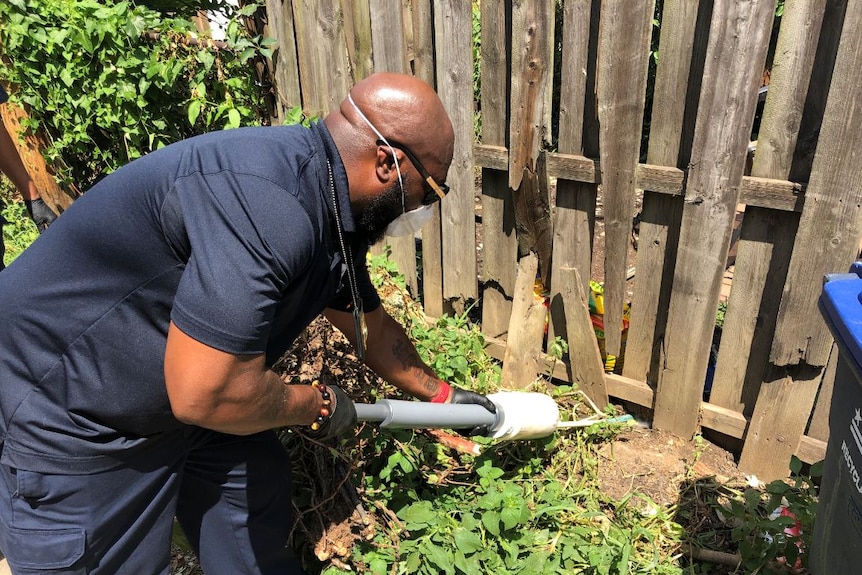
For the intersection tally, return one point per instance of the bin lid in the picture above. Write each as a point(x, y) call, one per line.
point(841, 305)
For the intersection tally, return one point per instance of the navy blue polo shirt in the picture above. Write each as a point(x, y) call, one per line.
point(230, 235)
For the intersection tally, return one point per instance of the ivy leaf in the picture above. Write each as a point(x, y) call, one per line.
point(84, 40)
point(413, 562)
point(66, 77)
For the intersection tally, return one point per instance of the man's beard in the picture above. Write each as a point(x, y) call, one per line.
point(380, 212)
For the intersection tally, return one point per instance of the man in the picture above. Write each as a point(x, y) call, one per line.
point(13, 167)
point(135, 379)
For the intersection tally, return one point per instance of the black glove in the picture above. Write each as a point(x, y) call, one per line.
point(40, 213)
point(342, 418)
point(459, 395)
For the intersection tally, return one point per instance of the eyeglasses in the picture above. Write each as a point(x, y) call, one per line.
point(437, 191)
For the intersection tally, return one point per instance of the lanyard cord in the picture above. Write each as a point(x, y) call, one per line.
point(358, 312)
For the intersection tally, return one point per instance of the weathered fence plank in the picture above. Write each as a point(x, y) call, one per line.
point(575, 206)
point(802, 342)
point(30, 148)
point(284, 68)
point(324, 76)
point(762, 260)
point(432, 239)
point(528, 84)
point(818, 427)
point(780, 415)
point(624, 39)
point(357, 30)
point(499, 243)
point(766, 237)
point(585, 360)
point(739, 36)
point(528, 99)
point(524, 345)
point(453, 29)
point(660, 215)
point(829, 228)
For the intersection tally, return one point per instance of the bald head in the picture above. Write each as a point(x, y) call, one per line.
point(403, 108)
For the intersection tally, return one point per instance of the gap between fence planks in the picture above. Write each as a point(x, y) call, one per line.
point(585, 360)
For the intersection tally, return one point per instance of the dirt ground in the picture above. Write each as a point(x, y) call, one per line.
point(656, 464)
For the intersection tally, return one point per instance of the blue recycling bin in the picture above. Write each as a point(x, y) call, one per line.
point(836, 548)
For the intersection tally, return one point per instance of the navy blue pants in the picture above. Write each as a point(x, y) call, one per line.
point(231, 495)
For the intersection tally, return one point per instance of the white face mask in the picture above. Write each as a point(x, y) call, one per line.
point(410, 222)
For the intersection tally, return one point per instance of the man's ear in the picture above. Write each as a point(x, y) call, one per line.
point(385, 163)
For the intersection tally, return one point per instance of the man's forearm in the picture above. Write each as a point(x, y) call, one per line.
point(245, 408)
point(394, 357)
point(13, 167)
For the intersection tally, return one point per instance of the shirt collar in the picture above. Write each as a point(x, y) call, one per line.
point(339, 177)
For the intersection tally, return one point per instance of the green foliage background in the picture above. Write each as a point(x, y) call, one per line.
point(110, 81)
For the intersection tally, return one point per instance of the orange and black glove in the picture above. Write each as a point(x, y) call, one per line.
point(453, 394)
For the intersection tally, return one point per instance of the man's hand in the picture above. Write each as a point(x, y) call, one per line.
point(342, 419)
point(40, 213)
point(458, 395)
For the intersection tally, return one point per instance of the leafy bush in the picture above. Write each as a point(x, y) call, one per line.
point(110, 81)
point(19, 231)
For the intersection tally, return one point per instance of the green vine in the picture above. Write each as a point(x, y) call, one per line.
point(111, 81)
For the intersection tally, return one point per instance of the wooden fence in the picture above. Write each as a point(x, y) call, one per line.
point(575, 77)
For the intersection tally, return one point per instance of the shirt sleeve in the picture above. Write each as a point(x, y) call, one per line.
point(4, 97)
point(234, 278)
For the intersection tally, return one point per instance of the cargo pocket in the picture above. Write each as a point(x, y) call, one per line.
point(31, 551)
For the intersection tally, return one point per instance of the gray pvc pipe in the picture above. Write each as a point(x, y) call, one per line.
point(401, 414)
